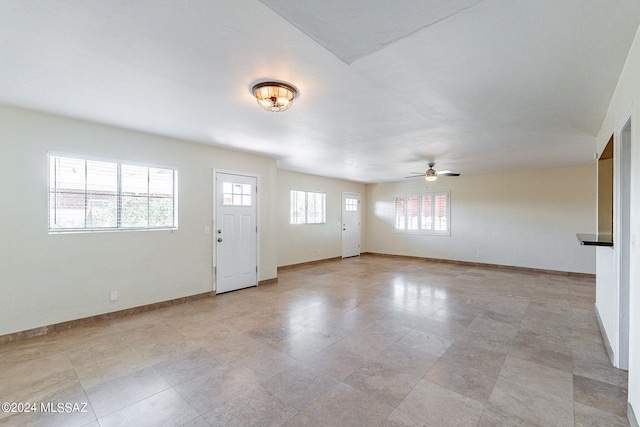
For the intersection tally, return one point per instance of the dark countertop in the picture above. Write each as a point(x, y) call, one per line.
point(595, 239)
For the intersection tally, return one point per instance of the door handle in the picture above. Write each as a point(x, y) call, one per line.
point(219, 239)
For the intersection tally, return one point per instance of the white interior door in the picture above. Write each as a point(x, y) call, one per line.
point(350, 224)
point(236, 232)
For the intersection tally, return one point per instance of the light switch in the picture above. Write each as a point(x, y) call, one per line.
point(207, 230)
point(114, 295)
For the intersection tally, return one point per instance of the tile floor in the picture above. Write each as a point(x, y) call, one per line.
point(359, 342)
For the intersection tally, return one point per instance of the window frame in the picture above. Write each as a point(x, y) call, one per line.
point(118, 194)
point(419, 229)
point(306, 215)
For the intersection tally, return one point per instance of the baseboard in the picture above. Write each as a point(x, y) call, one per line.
point(605, 338)
point(43, 330)
point(481, 264)
point(631, 416)
point(308, 263)
point(58, 327)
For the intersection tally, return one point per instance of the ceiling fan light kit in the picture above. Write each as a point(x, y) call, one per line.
point(431, 175)
point(274, 96)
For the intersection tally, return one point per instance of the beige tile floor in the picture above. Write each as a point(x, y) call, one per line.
point(360, 342)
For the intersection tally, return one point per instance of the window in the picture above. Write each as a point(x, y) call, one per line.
point(426, 213)
point(351, 205)
point(98, 194)
point(236, 194)
point(308, 207)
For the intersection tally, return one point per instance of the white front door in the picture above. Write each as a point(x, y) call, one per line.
point(236, 232)
point(350, 224)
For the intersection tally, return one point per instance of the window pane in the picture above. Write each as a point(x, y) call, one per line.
point(135, 180)
point(399, 213)
point(351, 205)
point(441, 212)
point(135, 211)
point(67, 196)
point(160, 182)
point(161, 212)
point(297, 207)
point(69, 174)
point(315, 208)
point(69, 210)
point(135, 192)
point(102, 210)
point(236, 194)
point(412, 213)
point(426, 219)
point(102, 194)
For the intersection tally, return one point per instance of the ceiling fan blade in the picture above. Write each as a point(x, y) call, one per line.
point(417, 173)
point(415, 176)
point(448, 174)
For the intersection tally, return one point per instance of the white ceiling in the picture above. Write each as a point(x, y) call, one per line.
point(477, 86)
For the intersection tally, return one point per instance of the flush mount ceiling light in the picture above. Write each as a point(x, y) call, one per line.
point(274, 96)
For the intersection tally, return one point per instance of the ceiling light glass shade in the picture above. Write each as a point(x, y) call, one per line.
point(431, 175)
point(274, 96)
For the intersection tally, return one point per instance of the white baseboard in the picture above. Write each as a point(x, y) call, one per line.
point(631, 416)
point(605, 338)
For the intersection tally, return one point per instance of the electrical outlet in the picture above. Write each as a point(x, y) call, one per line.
point(114, 295)
point(479, 254)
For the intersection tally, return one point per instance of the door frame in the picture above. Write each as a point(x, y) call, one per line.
point(620, 229)
point(346, 193)
point(214, 218)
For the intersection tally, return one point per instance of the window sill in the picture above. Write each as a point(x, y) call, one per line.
point(110, 230)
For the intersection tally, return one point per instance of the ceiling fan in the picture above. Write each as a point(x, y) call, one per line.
point(431, 174)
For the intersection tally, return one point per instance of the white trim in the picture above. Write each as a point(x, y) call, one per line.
point(618, 362)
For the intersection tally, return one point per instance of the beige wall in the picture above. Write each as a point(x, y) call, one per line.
point(525, 219)
point(605, 196)
point(51, 278)
point(626, 98)
point(299, 243)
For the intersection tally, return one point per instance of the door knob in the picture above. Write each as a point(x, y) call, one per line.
point(219, 239)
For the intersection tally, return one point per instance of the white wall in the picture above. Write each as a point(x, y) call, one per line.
point(51, 278)
point(299, 243)
point(525, 219)
point(626, 95)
